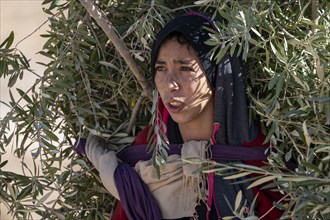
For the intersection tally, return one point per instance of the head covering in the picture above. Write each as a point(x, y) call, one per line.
point(192, 27)
point(227, 78)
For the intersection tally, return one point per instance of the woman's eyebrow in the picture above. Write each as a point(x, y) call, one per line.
point(178, 61)
point(183, 61)
point(160, 62)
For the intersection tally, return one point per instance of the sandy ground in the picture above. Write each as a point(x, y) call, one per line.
point(23, 17)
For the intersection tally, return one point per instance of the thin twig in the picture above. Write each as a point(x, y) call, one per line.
point(134, 114)
point(109, 30)
point(38, 28)
point(264, 215)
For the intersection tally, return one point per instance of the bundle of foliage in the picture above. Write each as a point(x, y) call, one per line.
point(96, 82)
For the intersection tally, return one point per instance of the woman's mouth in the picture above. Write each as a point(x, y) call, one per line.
point(175, 106)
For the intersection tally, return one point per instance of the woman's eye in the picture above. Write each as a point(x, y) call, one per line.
point(160, 68)
point(187, 68)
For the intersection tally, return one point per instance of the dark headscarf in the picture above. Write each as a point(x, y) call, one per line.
point(227, 78)
point(192, 27)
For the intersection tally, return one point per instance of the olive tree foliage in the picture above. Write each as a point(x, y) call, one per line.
point(286, 45)
point(89, 85)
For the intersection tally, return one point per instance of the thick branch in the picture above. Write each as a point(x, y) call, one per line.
point(314, 14)
point(106, 26)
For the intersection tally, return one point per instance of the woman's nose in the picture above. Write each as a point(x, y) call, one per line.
point(172, 83)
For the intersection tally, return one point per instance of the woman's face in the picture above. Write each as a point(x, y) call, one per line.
point(182, 83)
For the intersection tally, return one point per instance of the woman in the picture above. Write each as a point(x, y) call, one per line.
point(204, 107)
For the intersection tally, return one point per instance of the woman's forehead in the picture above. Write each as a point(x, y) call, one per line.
point(183, 53)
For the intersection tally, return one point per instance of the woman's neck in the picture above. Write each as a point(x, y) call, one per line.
point(201, 128)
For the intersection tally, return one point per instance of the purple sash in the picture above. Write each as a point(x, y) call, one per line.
point(132, 154)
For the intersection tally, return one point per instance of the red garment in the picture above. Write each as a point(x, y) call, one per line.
point(119, 213)
point(265, 197)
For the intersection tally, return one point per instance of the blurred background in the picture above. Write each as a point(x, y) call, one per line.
point(23, 17)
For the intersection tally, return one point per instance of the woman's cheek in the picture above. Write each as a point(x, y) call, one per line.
point(159, 87)
point(157, 82)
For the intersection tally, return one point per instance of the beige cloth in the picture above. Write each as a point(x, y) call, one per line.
point(104, 161)
point(177, 191)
